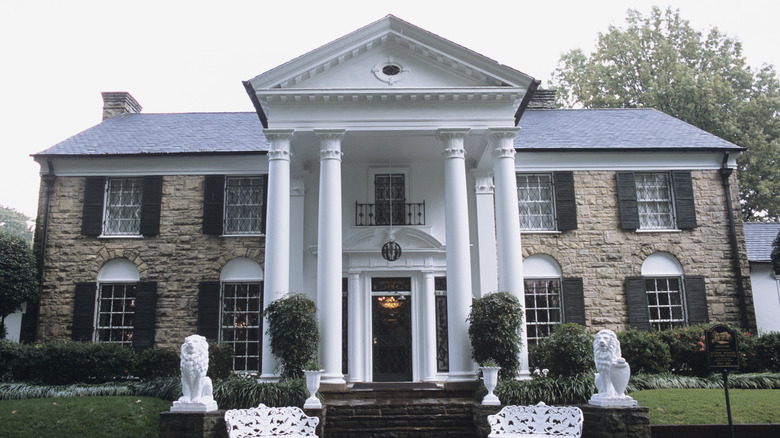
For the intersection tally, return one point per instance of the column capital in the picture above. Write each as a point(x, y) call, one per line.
point(503, 141)
point(448, 134)
point(329, 134)
point(484, 181)
point(330, 143)
point(280, 143)
point(453, 139)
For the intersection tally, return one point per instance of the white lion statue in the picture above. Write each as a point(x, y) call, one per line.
point(196, 386)
point(613, 372)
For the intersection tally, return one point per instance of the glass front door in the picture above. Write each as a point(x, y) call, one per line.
point(392, 331)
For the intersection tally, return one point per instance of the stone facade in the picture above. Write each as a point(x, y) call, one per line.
point(177, 259)
point(603, 255)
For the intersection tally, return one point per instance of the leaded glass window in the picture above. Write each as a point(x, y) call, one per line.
point(664, 299)
point(542, 307)
point(244, 205)
point(115, 313)
point(240, 323)
point(390, 198)
point(536, 202)
point(654, 201)
point(123, 206)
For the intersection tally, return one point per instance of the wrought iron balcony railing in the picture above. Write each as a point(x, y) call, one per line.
point(385, 213)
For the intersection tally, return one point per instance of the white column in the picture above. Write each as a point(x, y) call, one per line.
point(456, 216)
point(297, 210)
point(277, 234)
point(486, 231)
point(510, 251)
point(357, 337)
point(429, 326)
point(329, 255)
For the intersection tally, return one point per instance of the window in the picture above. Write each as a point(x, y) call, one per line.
point(546, 201)
point(234, 205)
point(663, 297)
point(116, 207)
point(390, 198)
point(123, 206)
point(229, 311)
point(117, 308)
point(550, 299)
point(115, 312)
point(656, 200)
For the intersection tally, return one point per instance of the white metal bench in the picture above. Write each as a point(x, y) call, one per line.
point(536, 422)
point(263, 421)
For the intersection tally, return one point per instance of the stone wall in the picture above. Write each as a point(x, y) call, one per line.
point(603, 255)
point(177, 259)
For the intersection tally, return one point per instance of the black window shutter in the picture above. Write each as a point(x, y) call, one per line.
point(92, 213)
point(696, 300)
point(84, 311)
point(684, 205)
point(565, 201)
point(213, 199)
point(208, 309)
point(143, 321)
point(627, 207)
point(150, 206)
point(573, 301)
point(638, 313)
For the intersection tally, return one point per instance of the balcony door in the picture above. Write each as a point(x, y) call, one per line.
point(390, 198)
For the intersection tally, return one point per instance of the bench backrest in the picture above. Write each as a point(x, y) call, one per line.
point(561, 421)
point(263, 421)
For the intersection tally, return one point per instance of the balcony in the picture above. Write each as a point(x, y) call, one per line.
point(386, 213)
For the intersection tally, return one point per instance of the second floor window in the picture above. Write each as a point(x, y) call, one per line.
point(654, 201)
point(123, 206)
point(244, 205)
point(536, 202)
point(390, 198)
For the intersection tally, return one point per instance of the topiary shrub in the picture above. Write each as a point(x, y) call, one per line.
point(293, 332)
point(644, 352)
point(495, 324)
point(220, 361)
point(11, 357)
point(154, 363)
point(567, 351)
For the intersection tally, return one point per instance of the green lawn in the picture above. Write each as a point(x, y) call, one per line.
point(708, 406)
point(130, 417)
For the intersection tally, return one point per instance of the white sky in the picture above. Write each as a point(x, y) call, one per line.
point(191, 56)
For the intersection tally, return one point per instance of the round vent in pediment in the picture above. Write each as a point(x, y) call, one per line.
point(390, 70)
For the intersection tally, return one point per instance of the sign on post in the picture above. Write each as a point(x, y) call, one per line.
point(722, 348)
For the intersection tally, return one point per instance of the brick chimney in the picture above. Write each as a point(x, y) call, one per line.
point(118, 103)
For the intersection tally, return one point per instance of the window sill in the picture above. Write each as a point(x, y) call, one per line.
point(242, 235)
point(540, 232)
point(659, 231)
point(121, 236)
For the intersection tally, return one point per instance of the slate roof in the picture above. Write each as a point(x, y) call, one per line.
point(194, 133)
point(610, 129)
point(759, 237)
point(180, 133)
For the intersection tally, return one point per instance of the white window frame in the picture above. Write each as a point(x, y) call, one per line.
point(530, 209)
point(645, 203)
point(116, 273)
point(242, 272)
point(541, 267)
point(122, 213)
point(259, 209)
point(664, 267)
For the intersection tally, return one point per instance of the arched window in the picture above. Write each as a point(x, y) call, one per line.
point(115, 310)
point(241, 297)
point(543, 306)
point(663, 276)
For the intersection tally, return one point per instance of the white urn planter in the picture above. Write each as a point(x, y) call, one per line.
point(490, 377)
point(313, 385)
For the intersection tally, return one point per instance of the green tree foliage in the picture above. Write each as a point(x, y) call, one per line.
point(567, 351)
point(13, 222)
point(293, 332)
point(776, 255)
point(495, 324)
point(18, 281)
point(660, 61)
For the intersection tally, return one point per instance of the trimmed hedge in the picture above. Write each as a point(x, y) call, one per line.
point(566, 352)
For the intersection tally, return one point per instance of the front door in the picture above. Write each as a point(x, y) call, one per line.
point(392, 330)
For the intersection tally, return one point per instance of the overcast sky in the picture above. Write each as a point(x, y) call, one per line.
point(191, 56)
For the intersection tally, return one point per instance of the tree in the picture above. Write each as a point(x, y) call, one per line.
point(776, 255)
point(13, 222)
point(18, 281)
point(660, 61)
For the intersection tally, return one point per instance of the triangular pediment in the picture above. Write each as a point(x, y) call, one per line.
point(389, 53)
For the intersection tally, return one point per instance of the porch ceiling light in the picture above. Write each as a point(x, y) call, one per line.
point(391, 251)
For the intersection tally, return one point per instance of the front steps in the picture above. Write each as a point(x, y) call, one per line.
point(399, 411)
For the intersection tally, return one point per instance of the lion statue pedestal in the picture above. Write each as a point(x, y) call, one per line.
point(196, 387)
point(613, 372)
